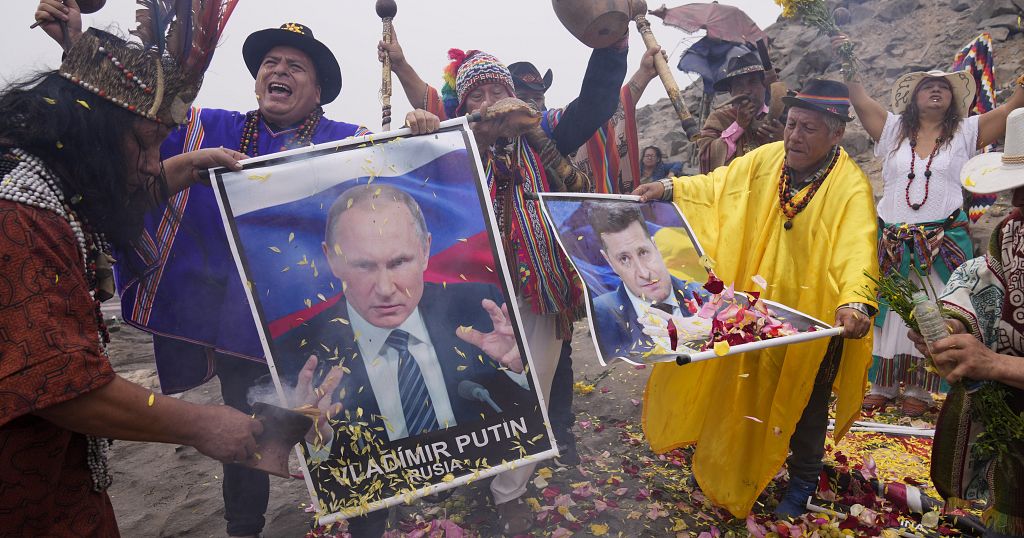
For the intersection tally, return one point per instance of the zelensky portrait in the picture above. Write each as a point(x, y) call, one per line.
point(642, 266)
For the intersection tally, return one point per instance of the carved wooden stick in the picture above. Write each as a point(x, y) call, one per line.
point(674, 95)
point(386, 10)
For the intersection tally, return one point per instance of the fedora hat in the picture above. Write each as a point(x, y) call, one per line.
point(963, 84)
point(825, 96)
point(998, 170)
point(737, 67)
point(291, 34)
point(526, 76)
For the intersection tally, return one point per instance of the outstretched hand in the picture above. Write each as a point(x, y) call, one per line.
point(183, 170)
point(962, 356)
point(953, 325)
point(746, 111)
point(854, 323)
point(649, 192)
point(422, 122)
point(51, 13)
point(647, 71)
point(226, 434)
point(839, 40)
point(319, 397)
point(500, 344)
point(771, 129)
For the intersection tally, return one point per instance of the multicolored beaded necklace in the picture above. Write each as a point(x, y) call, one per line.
point(927, 171)
point(788, 202)
point(303, 137)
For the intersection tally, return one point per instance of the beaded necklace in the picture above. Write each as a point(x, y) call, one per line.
point(249, 143)
point(32, 183)
point(788, 202)
point(927, 171)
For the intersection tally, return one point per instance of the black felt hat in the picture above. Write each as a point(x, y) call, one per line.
point(737, 67)
point(526, 76)
point(827, 96)
point(328, 72)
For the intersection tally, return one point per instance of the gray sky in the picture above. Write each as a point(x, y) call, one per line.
point(511, 30)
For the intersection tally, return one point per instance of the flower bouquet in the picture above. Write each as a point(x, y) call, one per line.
point(816, 14)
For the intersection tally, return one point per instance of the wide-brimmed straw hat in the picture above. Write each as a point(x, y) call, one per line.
point(964, 89)
point(291, 34)
point(999, 170)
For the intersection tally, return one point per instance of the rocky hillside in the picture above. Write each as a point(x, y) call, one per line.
point(892, 37)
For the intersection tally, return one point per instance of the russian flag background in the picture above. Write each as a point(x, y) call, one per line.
point(280, 212)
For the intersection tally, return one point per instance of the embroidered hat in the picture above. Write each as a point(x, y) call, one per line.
point(963, 85)
point(467, 72)
point(158, 78)
point(998, 170)
point(738, 66)
point(526, 76)
point(828, 96)
point(299, 36)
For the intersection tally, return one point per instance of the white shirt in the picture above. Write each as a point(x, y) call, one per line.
point(641, 306)
point(944, 194)
point(381, 362)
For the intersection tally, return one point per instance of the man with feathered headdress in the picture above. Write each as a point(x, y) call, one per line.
point(190, 296)
point(79, 166)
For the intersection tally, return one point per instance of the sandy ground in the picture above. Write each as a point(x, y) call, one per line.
point(620, 489)
point(168, 490)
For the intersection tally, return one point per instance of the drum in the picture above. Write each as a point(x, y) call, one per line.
point(597, 23)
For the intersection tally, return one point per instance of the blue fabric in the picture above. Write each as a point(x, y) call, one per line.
point(794, 501)
point(200, 302)
point(708, 58)
point(667, 169)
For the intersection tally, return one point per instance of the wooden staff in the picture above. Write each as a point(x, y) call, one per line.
point(386, 10)
point(674, 95)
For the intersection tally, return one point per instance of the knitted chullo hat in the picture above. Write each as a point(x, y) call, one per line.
point(468, 71)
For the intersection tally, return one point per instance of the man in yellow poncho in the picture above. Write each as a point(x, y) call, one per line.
point(799, 213)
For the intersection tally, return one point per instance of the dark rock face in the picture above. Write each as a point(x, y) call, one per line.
point(891, 10)
point(892, 37)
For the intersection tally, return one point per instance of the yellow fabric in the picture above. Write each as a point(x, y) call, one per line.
point(816, 266)
point(681, 258)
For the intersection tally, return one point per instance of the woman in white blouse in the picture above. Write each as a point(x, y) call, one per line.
point(924, 142)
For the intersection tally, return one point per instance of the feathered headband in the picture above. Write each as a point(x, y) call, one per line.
point(160, 77)
point(468, 71)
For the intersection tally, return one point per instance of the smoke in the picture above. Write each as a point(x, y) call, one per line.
point(266, 392)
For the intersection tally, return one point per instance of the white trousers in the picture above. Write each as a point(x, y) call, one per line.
point(541, 333)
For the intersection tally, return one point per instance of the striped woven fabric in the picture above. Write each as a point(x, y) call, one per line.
point(976, 57)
